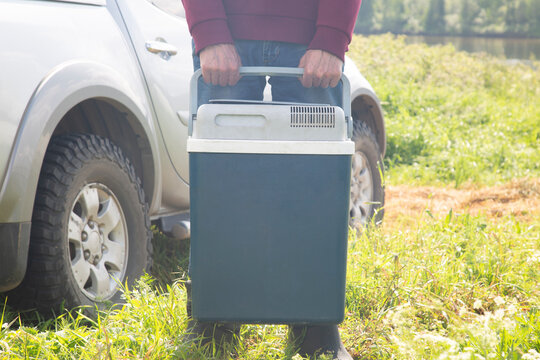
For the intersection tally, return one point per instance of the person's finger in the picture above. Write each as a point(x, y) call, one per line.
point(334, 81)
point(210, 73)
point(301, 65)
point(234, 77)
point(233, 71)
point(317, 78)
point(335, 66)
point(214, 76)
point(335, 73)
point(206, 75)
point(223, 76)
point(307, 79)
point(307, 63)
point(325, 81)
point(321, 70)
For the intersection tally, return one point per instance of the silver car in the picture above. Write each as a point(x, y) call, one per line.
point(93, 130)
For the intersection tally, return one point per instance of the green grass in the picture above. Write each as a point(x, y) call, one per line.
point(459, 287)
point(453, 117)
point(456, 287)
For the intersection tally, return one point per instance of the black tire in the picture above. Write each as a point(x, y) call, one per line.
point(367, 188)
point(90, 223)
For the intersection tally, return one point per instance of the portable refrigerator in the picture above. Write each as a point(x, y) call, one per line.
point(269, 194)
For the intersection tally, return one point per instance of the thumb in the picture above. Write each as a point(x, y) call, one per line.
point(302, 61)
point(305, 79)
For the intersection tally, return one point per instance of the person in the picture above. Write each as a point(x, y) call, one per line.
point(310, 34)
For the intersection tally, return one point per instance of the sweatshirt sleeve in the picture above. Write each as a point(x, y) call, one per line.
point(335, 24)
point(207, 22)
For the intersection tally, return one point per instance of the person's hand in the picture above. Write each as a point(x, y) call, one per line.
point(220, 64)
point(321, 69)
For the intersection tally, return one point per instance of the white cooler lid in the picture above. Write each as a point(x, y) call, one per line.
point(267, 121)
point(346, 147)
point(270, 128)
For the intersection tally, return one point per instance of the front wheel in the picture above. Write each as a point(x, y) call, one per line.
point(367, 190)
point(90, 227)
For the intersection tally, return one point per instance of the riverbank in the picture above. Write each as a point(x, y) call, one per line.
point(457, 35)
point(501, 47)
point(452, 117)
point(507, 47)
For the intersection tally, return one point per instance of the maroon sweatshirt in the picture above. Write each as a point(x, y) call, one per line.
point(320, 24)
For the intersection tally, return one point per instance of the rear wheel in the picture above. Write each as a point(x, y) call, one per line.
point(367, 191)
point(90, 227)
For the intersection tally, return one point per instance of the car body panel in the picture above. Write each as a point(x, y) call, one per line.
point(67, 86)
point(13, 253)
point(167, 80)
point(86, 2)
point(53, 81)
point(167, 76)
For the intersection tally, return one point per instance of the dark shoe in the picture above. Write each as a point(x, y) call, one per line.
point(204, 333)
point(208, 333)
point(317, 340)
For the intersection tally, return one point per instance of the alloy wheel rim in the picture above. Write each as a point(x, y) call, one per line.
point(361, 201)
point(98, 242)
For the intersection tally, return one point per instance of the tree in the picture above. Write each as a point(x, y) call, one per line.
point(461, 17)
point(393, 17)
point(534, 20)
point(510, 16)
point(435, 22)
point(364, 23)
point(522, 17)
point(469, 11)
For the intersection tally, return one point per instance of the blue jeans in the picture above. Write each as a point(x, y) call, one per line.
point(286, 89)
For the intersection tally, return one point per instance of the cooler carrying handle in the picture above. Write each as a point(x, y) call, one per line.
point(269, 71)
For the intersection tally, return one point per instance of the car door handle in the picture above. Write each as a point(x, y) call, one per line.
point(161, 47)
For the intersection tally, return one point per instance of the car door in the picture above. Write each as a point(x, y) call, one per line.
point(160, 36)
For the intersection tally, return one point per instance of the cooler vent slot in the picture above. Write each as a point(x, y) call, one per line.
point(313, 116)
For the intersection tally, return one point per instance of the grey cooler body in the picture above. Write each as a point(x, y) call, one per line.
point(269, 212)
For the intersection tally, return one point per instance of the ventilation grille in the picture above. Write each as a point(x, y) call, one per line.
point(313, 116)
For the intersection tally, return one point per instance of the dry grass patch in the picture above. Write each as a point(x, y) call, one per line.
point(518, 198)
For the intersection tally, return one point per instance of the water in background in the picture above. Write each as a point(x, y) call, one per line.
point(524, 49)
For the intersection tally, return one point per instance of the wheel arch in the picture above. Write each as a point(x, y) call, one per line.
point(366, 108)
point(63, 102)
point(365, 105)
point(111, 119)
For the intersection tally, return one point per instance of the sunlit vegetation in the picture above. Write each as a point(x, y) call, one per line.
point(455, 17)
point(452, 117)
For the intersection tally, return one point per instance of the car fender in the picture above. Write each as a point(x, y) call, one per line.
point(63, 88)
point(363, 96)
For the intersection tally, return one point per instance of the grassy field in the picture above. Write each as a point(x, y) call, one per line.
point(452, 117)
point(443, 279)
point(451, 287)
